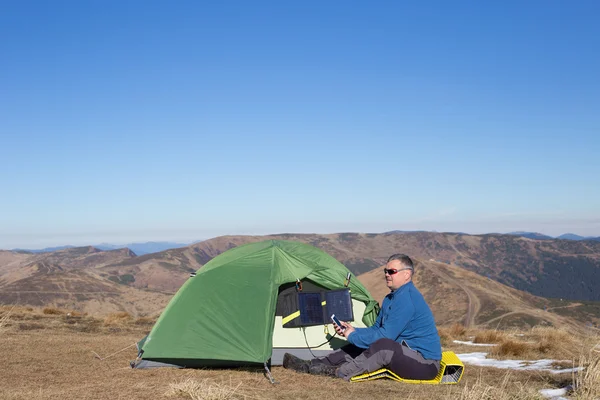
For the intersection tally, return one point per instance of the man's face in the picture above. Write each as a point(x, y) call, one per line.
point(394, 281)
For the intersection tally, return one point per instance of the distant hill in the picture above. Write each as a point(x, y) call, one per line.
point(565, 236)
point(398, 231)
point(68, 278)
point(137, 248)
point(531, 235)
point(570, 236)
point(143, 248)
point(45, 250)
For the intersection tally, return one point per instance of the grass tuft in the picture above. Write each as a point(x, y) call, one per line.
point(512, 348)
point(76, 314)
point(144, 321)
point(30, 327)
point(558, 342)
point(587, 382)
point(119, 318)
point(6, 317)
point(455, 331)
point(490, 336)
point(203, 390)
point(84, 325)
point(52, 311)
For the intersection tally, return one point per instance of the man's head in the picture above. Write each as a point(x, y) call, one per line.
point(398, 271)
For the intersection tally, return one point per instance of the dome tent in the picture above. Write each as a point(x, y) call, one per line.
point(225, 314)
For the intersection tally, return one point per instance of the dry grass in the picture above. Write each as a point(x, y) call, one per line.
point(68, 368)
point(540, 342)
point(452, 332)
point(512, 348)
point(5, 317)
point(75, 314)
point(508, 389)
point(490, 336)
point(587, 382)
point(457, 331)
point(30, 326)
point(204, 389)
point(52, 311)
point(556, 342)
point(30, 319)
point(145, 321)
point(119, 318)
point(16, 308)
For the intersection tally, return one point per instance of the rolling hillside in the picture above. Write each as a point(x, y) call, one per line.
point(458, 295)
point(89, 279)
point(68, 279)
point(547, 268)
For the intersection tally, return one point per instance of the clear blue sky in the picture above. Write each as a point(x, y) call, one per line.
point(130, 121)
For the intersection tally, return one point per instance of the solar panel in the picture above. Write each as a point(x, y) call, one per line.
point(340, 304)
point(311, 310)
point(314, 308)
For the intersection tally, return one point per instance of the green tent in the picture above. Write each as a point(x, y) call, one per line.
point(225, 314)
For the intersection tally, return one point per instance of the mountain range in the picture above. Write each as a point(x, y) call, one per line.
point(502, 280)
point(141, 249)
point(565, 236)
point(138, 248)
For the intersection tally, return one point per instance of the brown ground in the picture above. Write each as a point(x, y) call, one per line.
point(52, 356)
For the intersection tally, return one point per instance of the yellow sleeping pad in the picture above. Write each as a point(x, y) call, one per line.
point(451, 370)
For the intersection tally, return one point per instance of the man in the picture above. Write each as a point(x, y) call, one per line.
point(403, 339)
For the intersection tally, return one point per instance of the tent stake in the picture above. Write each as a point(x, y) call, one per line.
point(268, 373)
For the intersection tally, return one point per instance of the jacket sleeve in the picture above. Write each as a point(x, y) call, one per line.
point(391, 327)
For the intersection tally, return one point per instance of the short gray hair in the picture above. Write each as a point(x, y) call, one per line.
point(404, 259)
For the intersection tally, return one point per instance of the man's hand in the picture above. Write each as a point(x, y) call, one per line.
point(349, 329)
point(345, 333)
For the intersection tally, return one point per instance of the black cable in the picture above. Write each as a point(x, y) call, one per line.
point(310, 348)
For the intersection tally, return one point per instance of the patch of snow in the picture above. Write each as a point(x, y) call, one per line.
point(480, 360)
point(555, 394)
point(470, 343)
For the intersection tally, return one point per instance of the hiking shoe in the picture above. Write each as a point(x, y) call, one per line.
point(316, 361)
point(323, 369)
point(292, 362)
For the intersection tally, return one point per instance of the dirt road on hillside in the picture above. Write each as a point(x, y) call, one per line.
point(554, 319)
point(474, 303)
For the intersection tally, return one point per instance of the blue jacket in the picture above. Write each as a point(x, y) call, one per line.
point(404, 316)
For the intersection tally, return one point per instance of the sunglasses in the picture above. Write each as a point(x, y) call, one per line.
point(394, 271)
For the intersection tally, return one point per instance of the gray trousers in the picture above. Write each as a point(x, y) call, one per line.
point(384, 353)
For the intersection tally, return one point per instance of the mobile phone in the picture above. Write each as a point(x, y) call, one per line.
point(337, 322)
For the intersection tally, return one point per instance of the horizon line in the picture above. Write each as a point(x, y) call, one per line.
point(188, 242)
